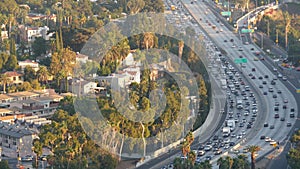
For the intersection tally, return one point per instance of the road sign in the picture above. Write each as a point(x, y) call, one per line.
point(298, 91)
point(226, 13)
point(247, 30)
point(242, 60)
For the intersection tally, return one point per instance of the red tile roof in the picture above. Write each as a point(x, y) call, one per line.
point(12, 73)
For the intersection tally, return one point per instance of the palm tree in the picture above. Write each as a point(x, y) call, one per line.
point(4, 80)
point(185, 149)
point(192, 157)
point(230, 161)
point(148, 40)
point(43, 74)
point(253, 149)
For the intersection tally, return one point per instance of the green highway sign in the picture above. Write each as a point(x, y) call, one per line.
point(226, 13)
point(242, 60)
point(247, 30)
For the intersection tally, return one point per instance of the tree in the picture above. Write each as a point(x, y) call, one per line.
point(39, 46)
point(12, 63)
point(253, 149)
point(29, 74)
point(37, 149)
point(180, 50)
point(134, 6)
point(4, 79)
point(4, 164)
point(25, 86)
point(148, 40)
point(42, 75)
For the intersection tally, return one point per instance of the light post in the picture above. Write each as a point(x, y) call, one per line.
point(162, 135)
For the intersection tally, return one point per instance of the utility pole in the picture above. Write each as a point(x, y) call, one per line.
point(268, 28)
point(262, 40)
point(277, 37)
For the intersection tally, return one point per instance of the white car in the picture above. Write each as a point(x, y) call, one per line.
point(268, 139)
point(239, 136)
point(284, 78)
point(279, 75)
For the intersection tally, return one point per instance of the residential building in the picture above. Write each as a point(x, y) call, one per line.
point(34, 65)
point(16, 139)
point(82, 87)
point(28, 34)
point(14, 77)
point(80, 58)
point(4, 35)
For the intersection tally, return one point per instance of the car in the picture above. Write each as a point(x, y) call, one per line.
point(261, 86)
point(43, 157)
point(260, 77)
point(275, 78)
point(218, 152)
point(266, 125)
point(279, 75)
point(262, 137)
point(284, 78)
point(279, 91)
point(207, 147)
point(233, 46)
point(288, 124)
point(240, 48)
point(27, 158)
point(264, 82)
point(252, 49)
point(292, 115)
point(274, 96)
point(255, 59)
point(231, 40)
point(227, 140)
point(266, 76)
point(276, 108)
point(284, 106)
point(215, 137)
point(285, 100)
point(265, 93)
point(273, 82)
point(201, 153)
point(274, 69)
point(201, 147)
point(273, 142)
point(225, 40)
point(271, 89)
point(292, 109)
point(267, 139)
point(240, 56)
point(253, 69)
point(282, 119)
point(276, 116)
point(253, 77)
point(217, 31)
point(239, 136)
point(208, 158)
point(272, 127)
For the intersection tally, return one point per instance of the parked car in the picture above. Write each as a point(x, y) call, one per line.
point(27, 158)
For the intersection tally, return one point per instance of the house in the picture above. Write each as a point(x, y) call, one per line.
point(5, 98)
point(22, 95)
point(28, 34)
point(80, 58)
point(116, 81)
point(83, 87)
point(34, 65)
point(16, 139)
point(14, 77)
point(4, 35)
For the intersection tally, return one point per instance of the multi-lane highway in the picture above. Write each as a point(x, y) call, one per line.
point(236, 49)
point(271, 102)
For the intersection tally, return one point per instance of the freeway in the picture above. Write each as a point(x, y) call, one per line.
point(259, 77)
point(280, 130)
